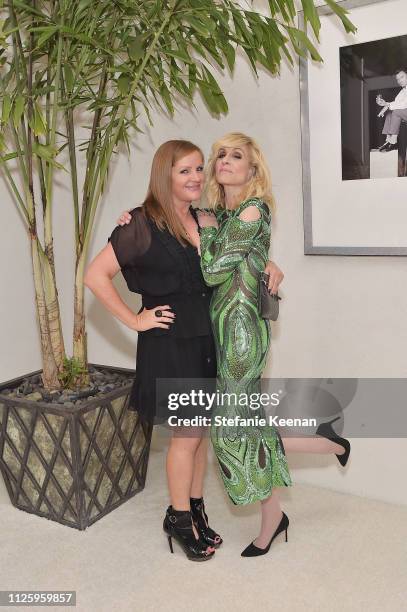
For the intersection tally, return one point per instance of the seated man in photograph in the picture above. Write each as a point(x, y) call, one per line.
point(398, 112)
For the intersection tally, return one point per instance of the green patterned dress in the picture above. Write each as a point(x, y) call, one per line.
point(251, 458)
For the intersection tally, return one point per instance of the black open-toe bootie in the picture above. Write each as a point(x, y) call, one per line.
point(178, 525)
point(200, 519)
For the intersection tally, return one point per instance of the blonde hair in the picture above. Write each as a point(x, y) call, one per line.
point(158, 203)
point(259, 186)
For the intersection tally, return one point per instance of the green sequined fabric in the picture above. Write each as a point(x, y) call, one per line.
point(251, 458)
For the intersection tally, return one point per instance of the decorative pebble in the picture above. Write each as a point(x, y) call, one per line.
point(36, 396)
point(101, 382)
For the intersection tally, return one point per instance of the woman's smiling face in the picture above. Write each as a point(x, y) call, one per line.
point(187, 177)
point(233, 167)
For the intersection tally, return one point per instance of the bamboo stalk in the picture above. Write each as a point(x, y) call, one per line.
point(79, 330)
point(50, 286)
point(50, 370)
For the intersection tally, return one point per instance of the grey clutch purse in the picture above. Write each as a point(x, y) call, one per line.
point(267, 303)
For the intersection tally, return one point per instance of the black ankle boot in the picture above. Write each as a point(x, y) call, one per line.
point(200, 519)
point(178, 524)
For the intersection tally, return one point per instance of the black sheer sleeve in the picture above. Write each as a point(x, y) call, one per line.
point(131, 241)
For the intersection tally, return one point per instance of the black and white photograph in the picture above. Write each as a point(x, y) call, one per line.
point(354, 128)
point(374, 109)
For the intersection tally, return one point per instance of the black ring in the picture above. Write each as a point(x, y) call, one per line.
point(158, 313)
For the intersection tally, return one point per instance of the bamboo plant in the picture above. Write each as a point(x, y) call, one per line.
point(102, 65)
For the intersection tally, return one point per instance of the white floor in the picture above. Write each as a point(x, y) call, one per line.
point(343, 553)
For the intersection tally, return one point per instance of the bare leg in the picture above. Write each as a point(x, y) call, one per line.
point(201, 457)
point(317, 445)
point(271, 515)
point(271, 512)
point(180, 467)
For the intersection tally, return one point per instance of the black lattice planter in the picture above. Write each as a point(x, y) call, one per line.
point(73, 464)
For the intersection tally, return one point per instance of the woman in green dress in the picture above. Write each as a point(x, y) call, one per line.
point(234, 250)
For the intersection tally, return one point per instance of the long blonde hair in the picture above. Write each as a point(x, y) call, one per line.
point(259, 186)
point(158, 204)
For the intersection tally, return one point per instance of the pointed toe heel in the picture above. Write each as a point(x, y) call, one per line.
point(254, 551)
point(327, 431)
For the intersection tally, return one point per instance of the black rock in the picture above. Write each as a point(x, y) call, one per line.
point(26, 387)
point(87, 392)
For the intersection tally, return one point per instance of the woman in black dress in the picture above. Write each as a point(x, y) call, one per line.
point(157, 253)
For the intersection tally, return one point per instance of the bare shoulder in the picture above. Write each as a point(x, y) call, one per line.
point(251, 213)
point(253, 209)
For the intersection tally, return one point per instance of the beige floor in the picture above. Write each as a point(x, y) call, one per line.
point(343, 553)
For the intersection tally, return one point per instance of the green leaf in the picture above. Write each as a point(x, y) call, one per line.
point(40, 128)
point(311, 15)
point(176, 81)
point(9, 156)
point(192, 76)
point(208, 96)
point(166, 97)
point(341, 12)
point(29, 8)
point(199, 26)
point(301, 43)
point(287, 9)
point(83, 4)
point(46, 34)
point(136, 48)
point(47, 153)
point(179, 54)
point(230, 54)
point(220, 98)
point(123, 84)
point(18, 110)
point(212, 49)
point(5, 111)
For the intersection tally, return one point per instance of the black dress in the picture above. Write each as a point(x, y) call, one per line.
point(156, 265)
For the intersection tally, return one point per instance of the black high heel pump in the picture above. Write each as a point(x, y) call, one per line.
point(253, 551)
point(326, 431)
point(200, 519)
point(178, 525)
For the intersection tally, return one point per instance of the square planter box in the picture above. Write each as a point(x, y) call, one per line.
point(74, 464)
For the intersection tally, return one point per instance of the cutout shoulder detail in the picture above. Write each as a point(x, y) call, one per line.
point(250, 213)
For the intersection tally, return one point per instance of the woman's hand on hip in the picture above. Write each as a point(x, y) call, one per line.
point(275, 276)
point(124, 218)
point(159, 316)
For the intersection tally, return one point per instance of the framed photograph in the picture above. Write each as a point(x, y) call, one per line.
point(354, 133)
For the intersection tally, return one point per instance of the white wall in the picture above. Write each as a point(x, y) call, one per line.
point(314, 336)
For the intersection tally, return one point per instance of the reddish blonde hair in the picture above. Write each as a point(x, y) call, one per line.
point(158, 203)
